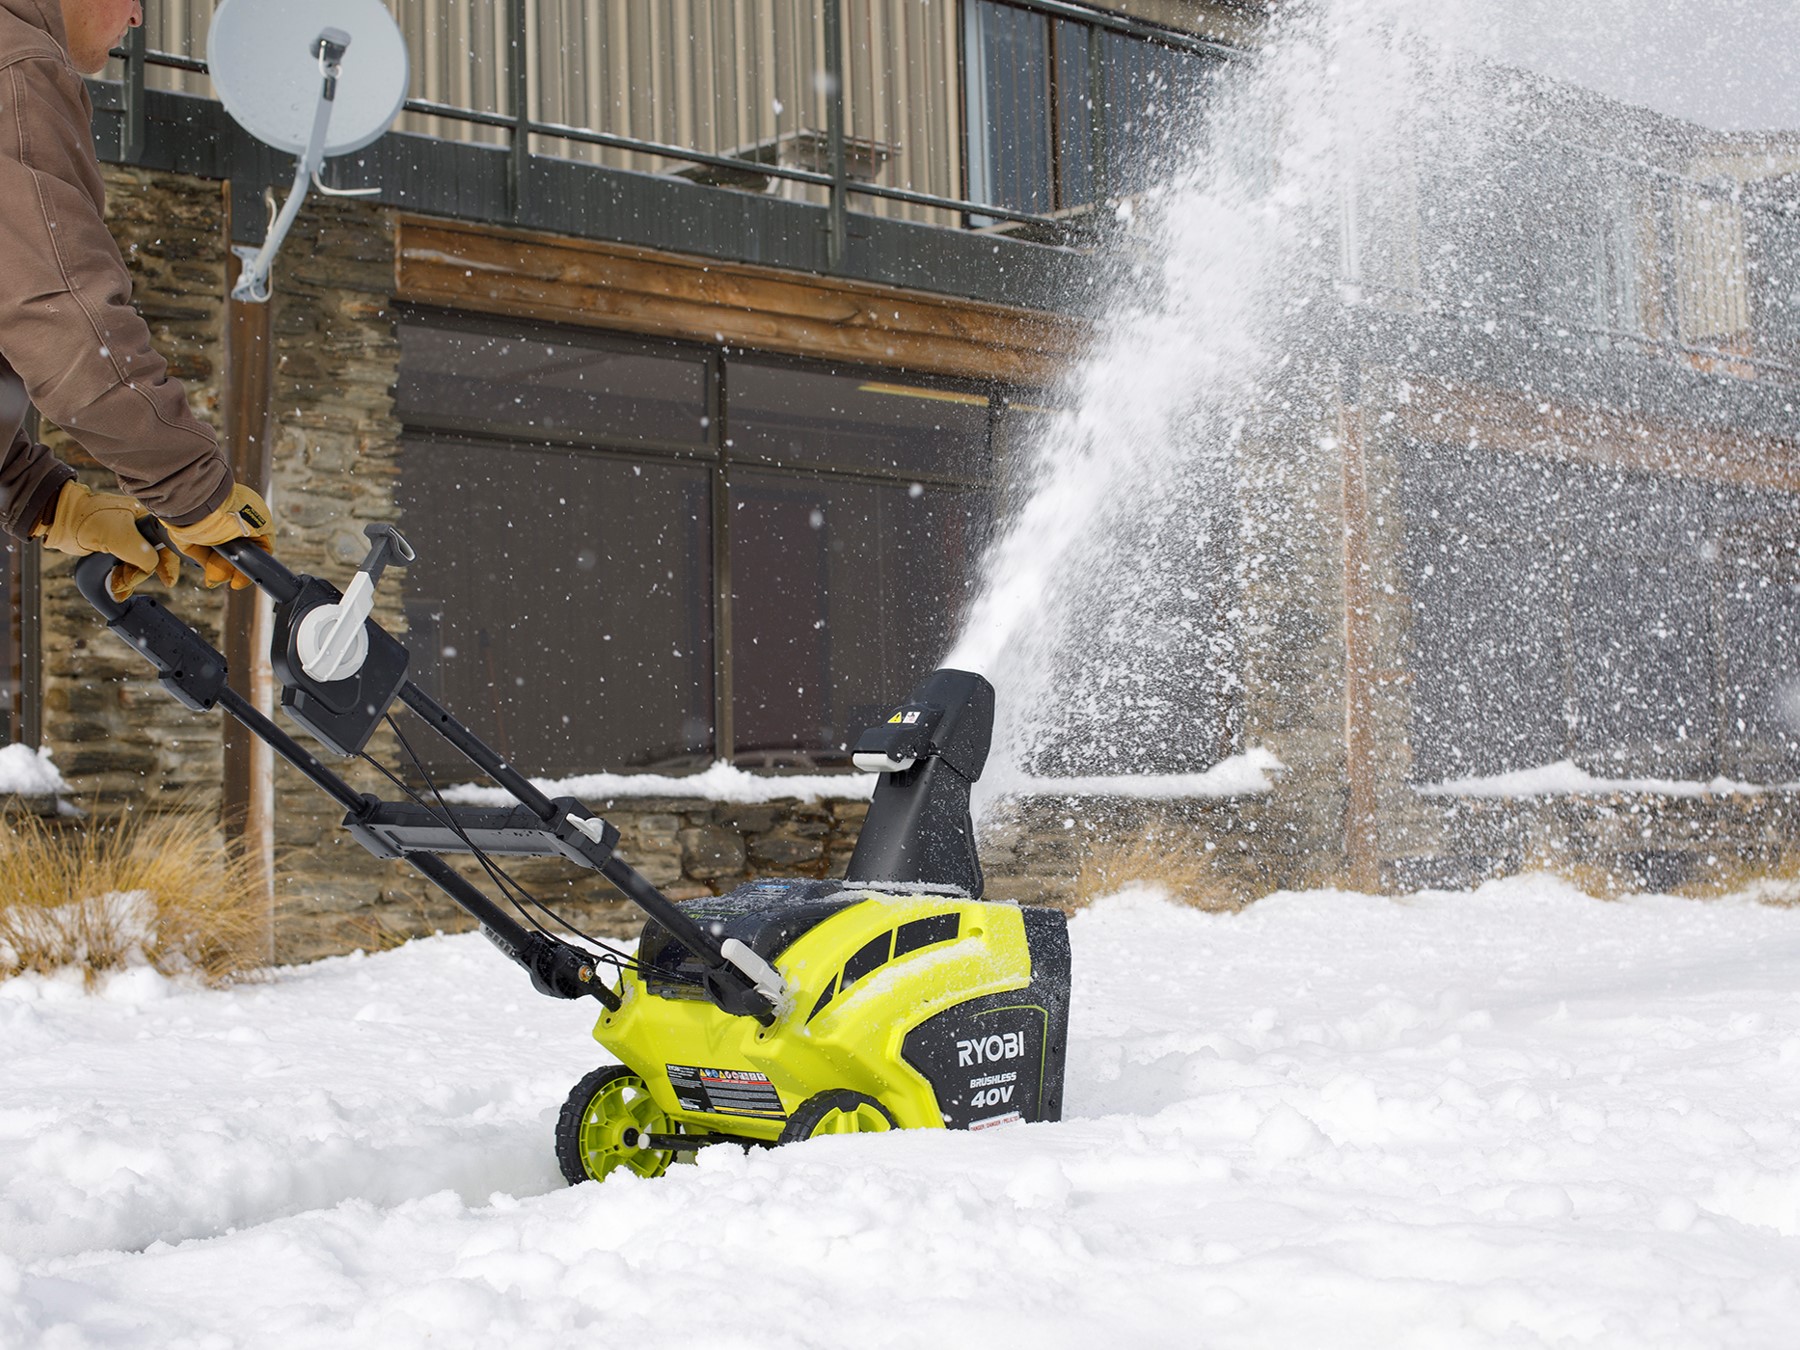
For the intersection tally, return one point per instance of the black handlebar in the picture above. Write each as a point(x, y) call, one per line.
point(196, 674)
point(94, 571)
point(262, 567)
point(92, 575)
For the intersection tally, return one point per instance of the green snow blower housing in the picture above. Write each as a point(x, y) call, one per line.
point(909, 1002)
point(897, 998)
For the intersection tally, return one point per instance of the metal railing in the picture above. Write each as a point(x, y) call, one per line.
point(855, 105)
point(864, 107)
point(1579, 240)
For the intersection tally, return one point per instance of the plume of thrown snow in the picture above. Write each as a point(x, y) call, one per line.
point(1099, 618)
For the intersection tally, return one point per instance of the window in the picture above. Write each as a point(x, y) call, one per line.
point(550, 387)
point(1062, 113)
point(844, 587)
point(561, 602)
point(641, 555)
point(1642, 626)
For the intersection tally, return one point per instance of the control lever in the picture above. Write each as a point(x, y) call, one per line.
point(331, 642)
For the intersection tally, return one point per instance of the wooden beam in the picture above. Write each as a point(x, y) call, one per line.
point(247, 789)
point(614, 286)
point(1484, 418)
point(1362, 850)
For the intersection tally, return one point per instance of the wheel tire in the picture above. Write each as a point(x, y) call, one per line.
point(590, 1132)
point(837, 1112)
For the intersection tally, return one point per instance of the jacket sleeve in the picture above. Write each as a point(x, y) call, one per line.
point(66, 322)
point(30, 476)
point(30, 480)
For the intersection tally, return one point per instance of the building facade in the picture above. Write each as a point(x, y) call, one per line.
point(690, 343)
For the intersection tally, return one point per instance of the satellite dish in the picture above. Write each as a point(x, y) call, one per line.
point(264, 63)
point(311, 77)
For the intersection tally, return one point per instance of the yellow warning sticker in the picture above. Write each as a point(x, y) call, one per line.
point(896, 718)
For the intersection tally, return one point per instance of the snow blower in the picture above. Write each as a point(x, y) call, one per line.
point(897, 998)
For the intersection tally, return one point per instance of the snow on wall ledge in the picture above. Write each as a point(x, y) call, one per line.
point(1248, 774)
point(25, 772)
point(720, 783)
point(1566, 778)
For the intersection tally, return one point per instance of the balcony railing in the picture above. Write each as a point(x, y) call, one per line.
point(855, 105)
point(1022, 115)
point(1630, 249)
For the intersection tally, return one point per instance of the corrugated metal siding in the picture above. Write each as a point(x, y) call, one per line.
point(1712, 300)
point(722, 77)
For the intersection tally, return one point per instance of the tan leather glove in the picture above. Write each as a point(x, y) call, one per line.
point(242, 515)
point(86, 521)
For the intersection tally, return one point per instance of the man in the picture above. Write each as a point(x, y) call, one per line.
point(71, 343)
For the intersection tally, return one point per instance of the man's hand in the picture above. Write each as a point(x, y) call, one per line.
point(86, 521)
point(243, 515)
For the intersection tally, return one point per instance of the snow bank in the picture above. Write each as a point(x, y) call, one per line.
point(25, 772)
point(721, 783)
point(1509, 1117)
point(1565, 777)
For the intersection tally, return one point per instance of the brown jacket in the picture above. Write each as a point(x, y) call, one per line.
point(68, 334)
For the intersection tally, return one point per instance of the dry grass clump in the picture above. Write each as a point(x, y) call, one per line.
point(1587, 875)
point(1771, 880)
point(157, 890)
point(1184, 867)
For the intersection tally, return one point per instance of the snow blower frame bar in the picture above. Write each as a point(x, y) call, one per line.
point(344, 713)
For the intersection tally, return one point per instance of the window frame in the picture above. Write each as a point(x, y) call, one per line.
point(716, 454)
point(1099, 94)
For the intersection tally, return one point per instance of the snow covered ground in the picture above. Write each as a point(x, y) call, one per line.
point(1515, 1117)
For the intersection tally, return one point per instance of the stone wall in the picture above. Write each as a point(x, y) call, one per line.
point(121, 742)
point(334, 457)
point(1608, 841)
point(687, 846)
point(1213, 852)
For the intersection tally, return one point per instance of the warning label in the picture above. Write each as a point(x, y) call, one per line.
point(729, 1092)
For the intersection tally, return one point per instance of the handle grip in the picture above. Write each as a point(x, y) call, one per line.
point(387, 548)
point(93, 572)
point(93, 575)
point(261, 567)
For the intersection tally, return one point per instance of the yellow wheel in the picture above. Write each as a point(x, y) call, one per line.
point(601, 1124)
point(839, 1112)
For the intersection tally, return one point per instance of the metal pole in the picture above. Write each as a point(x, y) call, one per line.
point(135, 135)
point(31, 631)
point(834, 134)
point(724, 720)
point(519, 167)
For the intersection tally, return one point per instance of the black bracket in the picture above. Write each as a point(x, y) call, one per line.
point(341, 714)
point(188, 666)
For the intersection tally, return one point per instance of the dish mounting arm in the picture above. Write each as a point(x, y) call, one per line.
point(253, 282)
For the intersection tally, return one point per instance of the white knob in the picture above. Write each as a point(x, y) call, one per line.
point(332, 642)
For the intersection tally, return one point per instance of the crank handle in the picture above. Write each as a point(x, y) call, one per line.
point(331, 639)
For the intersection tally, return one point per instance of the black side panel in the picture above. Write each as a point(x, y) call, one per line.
point(1052, 971)
point(999, 1058)
point(918, 828)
